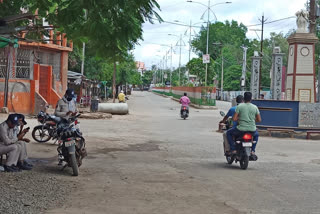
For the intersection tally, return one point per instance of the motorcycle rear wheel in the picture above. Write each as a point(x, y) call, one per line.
point(74, 165)
point(41, 134)
point(244, 162)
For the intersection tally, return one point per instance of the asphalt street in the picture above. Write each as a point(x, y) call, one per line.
point(152, 161)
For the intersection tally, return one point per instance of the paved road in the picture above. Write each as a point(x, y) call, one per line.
point(151, 161)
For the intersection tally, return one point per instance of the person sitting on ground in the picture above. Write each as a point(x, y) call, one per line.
point(231, 112)
point(14, 145)
point(185, 101)
point(247, 114)
point(22, 122)
point(66, 106)
point(122, 97)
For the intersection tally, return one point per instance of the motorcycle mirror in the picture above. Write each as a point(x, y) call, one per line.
point(222, 113)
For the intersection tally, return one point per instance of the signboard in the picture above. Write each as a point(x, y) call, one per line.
point(206, 58)
point(255, 74)
point(289, 94)
point(309, 114)
point(165, 76)
point(304, 95)
point(276, 87)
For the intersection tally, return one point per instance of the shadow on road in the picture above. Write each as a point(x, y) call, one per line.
point(223, 165)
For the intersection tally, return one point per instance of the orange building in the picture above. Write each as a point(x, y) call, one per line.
point(37, 74)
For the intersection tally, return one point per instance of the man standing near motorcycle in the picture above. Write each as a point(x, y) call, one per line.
point(66, 106)
point(231, 112)
point(246, 115)
point(185, 101)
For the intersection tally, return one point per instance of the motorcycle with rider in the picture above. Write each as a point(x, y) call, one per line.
point(241, 137)
point(185, 101)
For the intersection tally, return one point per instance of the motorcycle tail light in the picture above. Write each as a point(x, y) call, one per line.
point(69, 139)
point(76, 122)
point(247, 137)
point(184, 108)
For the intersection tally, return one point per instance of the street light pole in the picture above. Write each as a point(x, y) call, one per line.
point(207, 42)
point(171, 69)
point(180, 44)
point(180, 58)
point(208, 22)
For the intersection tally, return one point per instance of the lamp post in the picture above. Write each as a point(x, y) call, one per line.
point(190, 28)
point(220, 44)
point(180, 44)
point(208, 25)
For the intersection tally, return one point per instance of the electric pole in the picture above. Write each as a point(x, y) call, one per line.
point(189, 49)
point(312, 15)
point(261, 51)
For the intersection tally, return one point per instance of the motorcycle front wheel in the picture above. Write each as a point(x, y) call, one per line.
point(74, 164)
point(41, 134)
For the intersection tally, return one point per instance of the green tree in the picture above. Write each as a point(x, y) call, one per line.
point(112, 26)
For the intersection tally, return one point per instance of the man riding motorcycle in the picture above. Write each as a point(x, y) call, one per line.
point(231, 112)
point(185, 101)
point(246, 115)
point(66, 106)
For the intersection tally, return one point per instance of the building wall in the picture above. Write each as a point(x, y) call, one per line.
point(19, 97)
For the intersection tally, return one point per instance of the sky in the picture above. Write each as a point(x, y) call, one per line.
point(156, 40)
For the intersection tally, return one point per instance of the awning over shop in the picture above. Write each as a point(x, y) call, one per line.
point(4, 42)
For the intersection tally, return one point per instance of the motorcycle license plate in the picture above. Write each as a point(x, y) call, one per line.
point(69, 143)
point(247, 144)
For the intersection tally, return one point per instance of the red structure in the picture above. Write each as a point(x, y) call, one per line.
point(37, 74)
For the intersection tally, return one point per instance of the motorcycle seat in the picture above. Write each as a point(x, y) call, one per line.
point(55, 119)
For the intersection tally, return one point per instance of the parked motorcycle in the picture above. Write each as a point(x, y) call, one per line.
point(184, 112)
point(48, 128)
point(243, 146)
point(72, 147)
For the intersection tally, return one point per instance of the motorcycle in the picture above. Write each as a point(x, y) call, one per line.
point(48, 128)
point(71, 147)
point(243, 145)
point(184, 112)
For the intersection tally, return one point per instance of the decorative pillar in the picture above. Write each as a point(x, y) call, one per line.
point(276, 82)
point(301, 75)
point(256, 60)
point(59, 38)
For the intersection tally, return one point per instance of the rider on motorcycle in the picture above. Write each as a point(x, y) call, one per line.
point(232, 110)
point(185, 101)
point(66, 106)
point(246, 115)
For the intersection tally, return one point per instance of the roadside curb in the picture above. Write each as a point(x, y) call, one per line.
point(192, 105)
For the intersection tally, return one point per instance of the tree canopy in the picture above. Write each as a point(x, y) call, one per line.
point(226, 40)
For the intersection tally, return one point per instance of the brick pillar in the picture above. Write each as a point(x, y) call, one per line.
point(51, 36)
point(64, 40)
point(71, 44)
point(49, 86)
point(59, 38)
